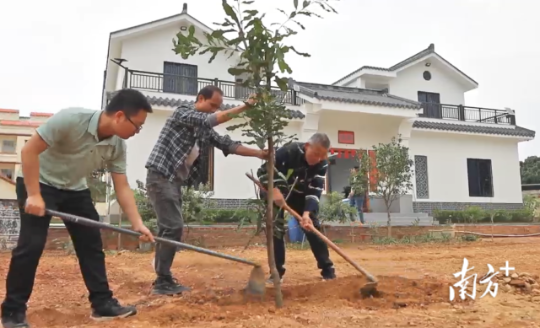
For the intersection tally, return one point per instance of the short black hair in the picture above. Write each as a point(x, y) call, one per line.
point(357, 167)
point(208, 91)
point(129, 101)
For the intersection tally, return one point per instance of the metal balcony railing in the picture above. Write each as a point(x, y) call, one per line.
point(184, 85)
point(468, 114)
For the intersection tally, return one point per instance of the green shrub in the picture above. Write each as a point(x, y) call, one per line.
point(474, 214)
point(233, 216)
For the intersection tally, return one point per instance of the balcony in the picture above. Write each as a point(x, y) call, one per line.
point(184, 85)
point(468, 114)
point(8, 157)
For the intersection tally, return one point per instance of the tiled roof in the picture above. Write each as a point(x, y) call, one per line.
point(354, 95)
point(429, 50)
point(10, 111)
point(171, 102)
point(513, 131)
point(39, 114)
point(20, 123)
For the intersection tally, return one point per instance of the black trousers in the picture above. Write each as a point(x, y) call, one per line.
point(318, 247)
point(33, 235)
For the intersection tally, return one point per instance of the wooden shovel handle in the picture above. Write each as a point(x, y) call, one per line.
point(319, 234)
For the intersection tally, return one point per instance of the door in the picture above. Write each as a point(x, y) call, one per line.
point(431, 102)
point(180, 78)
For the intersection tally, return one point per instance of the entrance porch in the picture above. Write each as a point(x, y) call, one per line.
point(337, 180)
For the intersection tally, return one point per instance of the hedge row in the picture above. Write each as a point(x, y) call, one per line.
point(478, 215)
point(469, 215)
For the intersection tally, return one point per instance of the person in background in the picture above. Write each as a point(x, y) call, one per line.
point(358, 192)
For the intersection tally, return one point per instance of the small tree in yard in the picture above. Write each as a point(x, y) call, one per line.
point(393, 173)
point(333, 209)
point(262, 52)
point(194, 204)
point(96, 185)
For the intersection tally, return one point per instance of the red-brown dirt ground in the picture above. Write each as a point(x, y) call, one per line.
point(414, 286)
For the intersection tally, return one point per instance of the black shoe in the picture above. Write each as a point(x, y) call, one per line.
point(111, 310)
point(14, 320)
point(168, 286)
point(328, 274)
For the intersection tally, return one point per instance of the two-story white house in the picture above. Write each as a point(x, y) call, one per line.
point(463, 155)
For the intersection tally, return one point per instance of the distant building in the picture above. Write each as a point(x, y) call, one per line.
point(15, 130)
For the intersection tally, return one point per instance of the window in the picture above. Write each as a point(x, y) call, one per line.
point(8, 146)
point(427, 75)
point(480, 177)
point(8, 173)
point(181, 78)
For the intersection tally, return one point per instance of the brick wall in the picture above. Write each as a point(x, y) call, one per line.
point(9, 224)
point(215, 237)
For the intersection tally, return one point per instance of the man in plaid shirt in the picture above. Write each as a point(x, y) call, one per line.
point(175, 161)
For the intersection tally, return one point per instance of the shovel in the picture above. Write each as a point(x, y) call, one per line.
point(256, 284)
point(368, 289)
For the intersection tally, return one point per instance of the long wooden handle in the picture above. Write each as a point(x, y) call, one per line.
point(332, 245)
point(319, 234)
point(100, 225)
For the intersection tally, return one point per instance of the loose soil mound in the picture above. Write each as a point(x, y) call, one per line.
point(227, 305)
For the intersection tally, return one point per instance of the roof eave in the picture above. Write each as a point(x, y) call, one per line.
point(467, 80)
point(412, 60)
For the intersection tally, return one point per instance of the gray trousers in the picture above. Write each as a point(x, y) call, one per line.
point(166, 199)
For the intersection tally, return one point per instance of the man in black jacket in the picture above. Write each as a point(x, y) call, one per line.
point(308, 162)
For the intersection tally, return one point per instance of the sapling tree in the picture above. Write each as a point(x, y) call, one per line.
point(261, 49)
point(96, 185)
point(391, 173)
point(334, 209)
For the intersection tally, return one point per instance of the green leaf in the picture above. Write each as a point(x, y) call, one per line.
point(301, 26)
point(237, 71)
point(247, 2)
point(283, 12)
point(295, 4)
point(191, 30)
point(306, 4)
point(282, 83)
point(230, 12)
point(220, 33)
point(304, 54)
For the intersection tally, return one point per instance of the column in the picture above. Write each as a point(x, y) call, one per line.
point(404, 132)
point(311, 122)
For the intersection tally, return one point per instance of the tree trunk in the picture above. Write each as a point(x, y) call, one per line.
point(270, 226)
point(389, 222)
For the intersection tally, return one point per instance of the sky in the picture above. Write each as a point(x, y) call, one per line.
point(54, 52)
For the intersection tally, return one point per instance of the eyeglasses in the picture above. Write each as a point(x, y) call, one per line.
point(137, 127)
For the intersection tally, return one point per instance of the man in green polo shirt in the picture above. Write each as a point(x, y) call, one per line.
point(55, 162)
